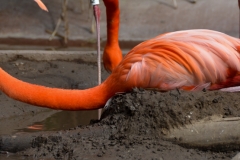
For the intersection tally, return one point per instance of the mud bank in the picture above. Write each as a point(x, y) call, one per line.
point(137, 126)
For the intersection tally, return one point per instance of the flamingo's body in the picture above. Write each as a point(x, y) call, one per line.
point(188, 60)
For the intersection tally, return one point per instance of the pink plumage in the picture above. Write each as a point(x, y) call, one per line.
point(188, 60)
point(184, 59)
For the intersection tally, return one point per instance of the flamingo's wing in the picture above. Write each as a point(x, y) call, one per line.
point(193, 59)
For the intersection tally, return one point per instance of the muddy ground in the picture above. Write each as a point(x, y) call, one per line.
point(135, 127)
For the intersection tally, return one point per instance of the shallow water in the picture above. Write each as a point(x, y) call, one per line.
point(62, 121)
point(20, 117)
point(11, 157)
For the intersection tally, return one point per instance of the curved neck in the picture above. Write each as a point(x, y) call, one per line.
point(55, 98)
point(113, 13)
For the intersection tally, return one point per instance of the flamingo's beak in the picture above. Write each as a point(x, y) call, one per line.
point(41, 5)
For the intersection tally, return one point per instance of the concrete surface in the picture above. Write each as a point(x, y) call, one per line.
point(22, 22)
point(211, 132)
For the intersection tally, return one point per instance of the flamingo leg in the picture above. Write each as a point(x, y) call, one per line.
point(96, 12)
point(63, 18)
point(175, 3)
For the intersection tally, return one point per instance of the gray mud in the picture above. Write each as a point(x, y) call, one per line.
point(135, 127)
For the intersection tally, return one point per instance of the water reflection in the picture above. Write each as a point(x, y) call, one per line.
point(62, 120)
point(8, 156)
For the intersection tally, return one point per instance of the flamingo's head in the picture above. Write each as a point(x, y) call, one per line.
point(112, 56)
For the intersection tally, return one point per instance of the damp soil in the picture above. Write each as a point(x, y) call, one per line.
point(134, 126)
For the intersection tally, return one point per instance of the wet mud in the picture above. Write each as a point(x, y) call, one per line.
point(136, 125)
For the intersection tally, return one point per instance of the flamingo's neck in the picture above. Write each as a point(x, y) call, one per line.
point(112, 55)
point(113, 14)
point(55, 98)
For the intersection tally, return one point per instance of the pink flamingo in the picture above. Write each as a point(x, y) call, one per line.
point(188, 60)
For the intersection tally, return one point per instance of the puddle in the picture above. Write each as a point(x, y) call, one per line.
point(11, 157)
point(224, 134)
point(17, 117)
point(62, 121)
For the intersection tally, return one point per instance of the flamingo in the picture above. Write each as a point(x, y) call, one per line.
point(188, 60)
point(110, 61)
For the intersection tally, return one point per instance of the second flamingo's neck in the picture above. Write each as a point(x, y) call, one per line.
point(112, 55)
point(112, 9)
point(54, 98)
